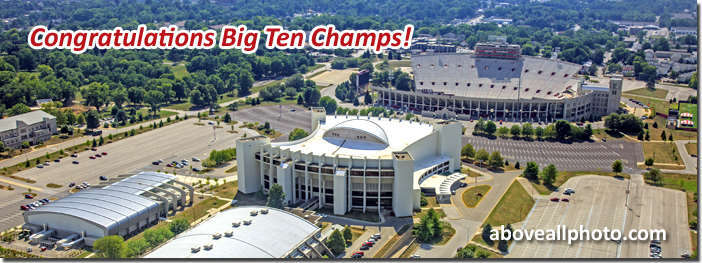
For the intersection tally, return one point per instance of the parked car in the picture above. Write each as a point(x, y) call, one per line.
point(183, 160)
point(368, 244)
point(92, 157)
point(160, 160)
point(453, 192)
point(74, 155)
point(359, 253)
point(80, 186)
point(565, 200)
point(155, 162)
point(196, 159)
point(555, 199)
point(76, 162)
point(656, 241)
point(24, 207)
point(376, 236)
point(104, 153)
point(98, 155)
point(40, 166)
point(94, 149)
point(57, 160)
point(195, 169)
point(568, 191)
point(210, 123)
point(372, 241)
point(604, 140)
point(414, 256)
point(169, 165)
point(46, 164)
point(103, 178)
point(356, 256)
point(28, 196)
point(365, 248)
point(71, 184)
point(464, 184)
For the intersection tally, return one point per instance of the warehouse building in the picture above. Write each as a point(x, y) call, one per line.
point(498, 83)
point(247, 232)
point(125, 207)
point(352, 162)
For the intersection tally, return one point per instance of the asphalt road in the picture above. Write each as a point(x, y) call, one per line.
point(182, 140)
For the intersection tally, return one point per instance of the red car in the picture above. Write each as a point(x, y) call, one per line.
point(479, 194)
point(94, 149)
point(98, 155)
point(368, 244)
point(555, 199)
point(359, 253)
point(565, 200)
point(28, 196)
point(104, 153)
point(169, 165)
point(92, 157)
point(471, 120)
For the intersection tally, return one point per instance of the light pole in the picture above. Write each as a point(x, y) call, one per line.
point(627, 189)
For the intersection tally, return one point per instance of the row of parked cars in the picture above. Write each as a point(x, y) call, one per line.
point(366, 246)
point(34, 205)
point(639, 103)
point(178, 165)
point(566, 192)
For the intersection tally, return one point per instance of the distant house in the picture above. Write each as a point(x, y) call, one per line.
point(681, 16)
point(684, 31)
point(42, 101)
point(628, 71)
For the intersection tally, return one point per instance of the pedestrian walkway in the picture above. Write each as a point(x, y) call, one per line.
point(529, 187)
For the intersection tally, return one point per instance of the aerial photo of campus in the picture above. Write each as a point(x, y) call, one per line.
point(510, 129)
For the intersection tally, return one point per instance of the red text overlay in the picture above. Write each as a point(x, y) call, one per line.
point(239, 37)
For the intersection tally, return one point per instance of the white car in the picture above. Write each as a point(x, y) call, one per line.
point(414, 256)
point(568, 191)
point(376, 236)
point(196, 159)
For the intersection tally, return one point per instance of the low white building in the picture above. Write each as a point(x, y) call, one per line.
point(30, 127)
point(352, 162)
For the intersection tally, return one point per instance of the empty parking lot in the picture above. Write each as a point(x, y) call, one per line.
point(283, 120)
point(573, 156)
point(599, 202)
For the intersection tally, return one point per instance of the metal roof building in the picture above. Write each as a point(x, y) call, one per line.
point(270, 233)
point(123, 208)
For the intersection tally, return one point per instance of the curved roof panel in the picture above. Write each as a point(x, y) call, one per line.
point(365, 126)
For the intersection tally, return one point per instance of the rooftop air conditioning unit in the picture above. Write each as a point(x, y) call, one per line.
point(208, 246)
point(195, 249)
point(236, 224)
point(217, 235)
point(264, 211)
point(254, 212)
point(247, 222)
point(229, 233)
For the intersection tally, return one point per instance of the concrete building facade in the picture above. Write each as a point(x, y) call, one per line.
point(31, 127)
point(352, 162)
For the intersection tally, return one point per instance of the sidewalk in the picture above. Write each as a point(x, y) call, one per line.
point(529, 187)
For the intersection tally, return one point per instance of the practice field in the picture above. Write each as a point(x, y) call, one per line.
point(334, 76)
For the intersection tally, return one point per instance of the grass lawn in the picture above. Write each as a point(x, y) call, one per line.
point(672, 181)
point(316, 74)
point(353, 214)
point(84, 254)
point(691, 148)
point(179, 71)
point(200, 209)
point(470, 199)
point(513, 207)
point(392, 64)
point(79, 97)
point(657, 93)
point(564, 176)
point(230, 190)
point(690, 108)
point(231, 170)
point(493, 244)
point(315, 67)
point(655, 133)
point(469, 172)
point(355, 234)
point(392, 241)
point(420, 214)
point(182, 105)
point(489, 252)
point(410, 249)
point(662, 152)
point(432, 202)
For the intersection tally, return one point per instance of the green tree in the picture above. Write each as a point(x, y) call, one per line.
point(276, 197)
point(347, 234)
point(480, 125)
point(297, 134)
point(490, 127)
point(502, 131)
point(468, 151)
point(531, 171)
point(110, 247)
point(465, 253)
point(336, 242)
point(137, 247)
point(179, 226)
point(425, 231)
point(156, 236)
point(487, 231)
point(663, 136)
point(617, 167)
point(527, 130)
point(481, 155)
point(654, 176)
point(92, 119)
point(502, 246)
point(648, 161)
point(515, 130)
point(495, 160)
point(549, 174)
point(562, 128)
point(328, 103)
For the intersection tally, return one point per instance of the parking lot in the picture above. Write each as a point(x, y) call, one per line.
point(182, 140)
point(572, 156)
point(599, 202)
point(283, 121)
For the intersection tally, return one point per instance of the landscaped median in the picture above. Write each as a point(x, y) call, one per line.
point(472, 196)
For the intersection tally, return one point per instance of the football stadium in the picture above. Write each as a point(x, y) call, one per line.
point(497, 82)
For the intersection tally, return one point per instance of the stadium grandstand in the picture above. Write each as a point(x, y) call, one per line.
point(497, 82)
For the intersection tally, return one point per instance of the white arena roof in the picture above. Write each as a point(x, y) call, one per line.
point(272, 235)
point(464, 75)
point(393, 133)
